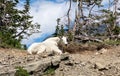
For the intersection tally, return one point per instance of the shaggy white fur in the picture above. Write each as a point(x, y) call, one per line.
point(49, 45)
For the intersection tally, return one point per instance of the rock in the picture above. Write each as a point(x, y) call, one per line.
point(100, 66)
point(1, 66)
point(83, 63)
point(9, 72)
point(77, 62)
point(47, 54)
point(103, 50)
point(41, 65)
point(56, 61)
point(37, 68)
point(97, 53)
point(64, 57)
point(69, 63)
point(30, 58)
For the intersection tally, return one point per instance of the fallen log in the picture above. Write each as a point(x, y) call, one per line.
point(88, 38)
point(99, 39)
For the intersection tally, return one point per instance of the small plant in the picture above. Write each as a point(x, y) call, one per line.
point(116, 30)
point(21, 72)
point(70, 36)
point(112, 42)
point(50, 71)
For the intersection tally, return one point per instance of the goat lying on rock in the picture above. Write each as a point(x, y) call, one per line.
point(49, 45)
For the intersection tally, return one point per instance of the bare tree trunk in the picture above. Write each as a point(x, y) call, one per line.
point(109, 4)
point(76, 18)
point(91, 10)
point(115, 14)
point(68, 14)
point(80, 10)
point(109, 30)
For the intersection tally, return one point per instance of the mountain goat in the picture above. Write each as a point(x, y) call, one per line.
point(49, 45)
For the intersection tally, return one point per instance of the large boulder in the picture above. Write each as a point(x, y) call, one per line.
point(37, 68)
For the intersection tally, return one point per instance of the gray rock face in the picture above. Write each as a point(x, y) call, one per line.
point(36, 68)
point(40, 66)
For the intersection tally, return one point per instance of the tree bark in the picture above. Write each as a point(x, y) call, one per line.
point(68, 15)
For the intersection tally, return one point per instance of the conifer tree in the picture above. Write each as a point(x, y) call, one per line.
point(14, 23)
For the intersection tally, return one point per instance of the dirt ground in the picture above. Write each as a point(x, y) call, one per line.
point(105, 62)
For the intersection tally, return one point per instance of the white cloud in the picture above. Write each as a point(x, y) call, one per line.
point(45, 13)
point(60, 0)
point(104, 2)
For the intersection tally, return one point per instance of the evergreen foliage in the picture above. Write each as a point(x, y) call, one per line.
point(59, 29)
point(21, 72)
point(14, 23)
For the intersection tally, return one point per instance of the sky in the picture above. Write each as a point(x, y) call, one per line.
point(46, 12)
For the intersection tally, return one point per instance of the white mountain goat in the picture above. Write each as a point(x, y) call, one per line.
point(49, 45)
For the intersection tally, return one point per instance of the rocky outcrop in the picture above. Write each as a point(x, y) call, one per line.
point(37, 68)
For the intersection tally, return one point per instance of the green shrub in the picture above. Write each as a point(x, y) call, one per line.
point(49, 71)
point(112, 42)
point(116, 30)
point(21, 72)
